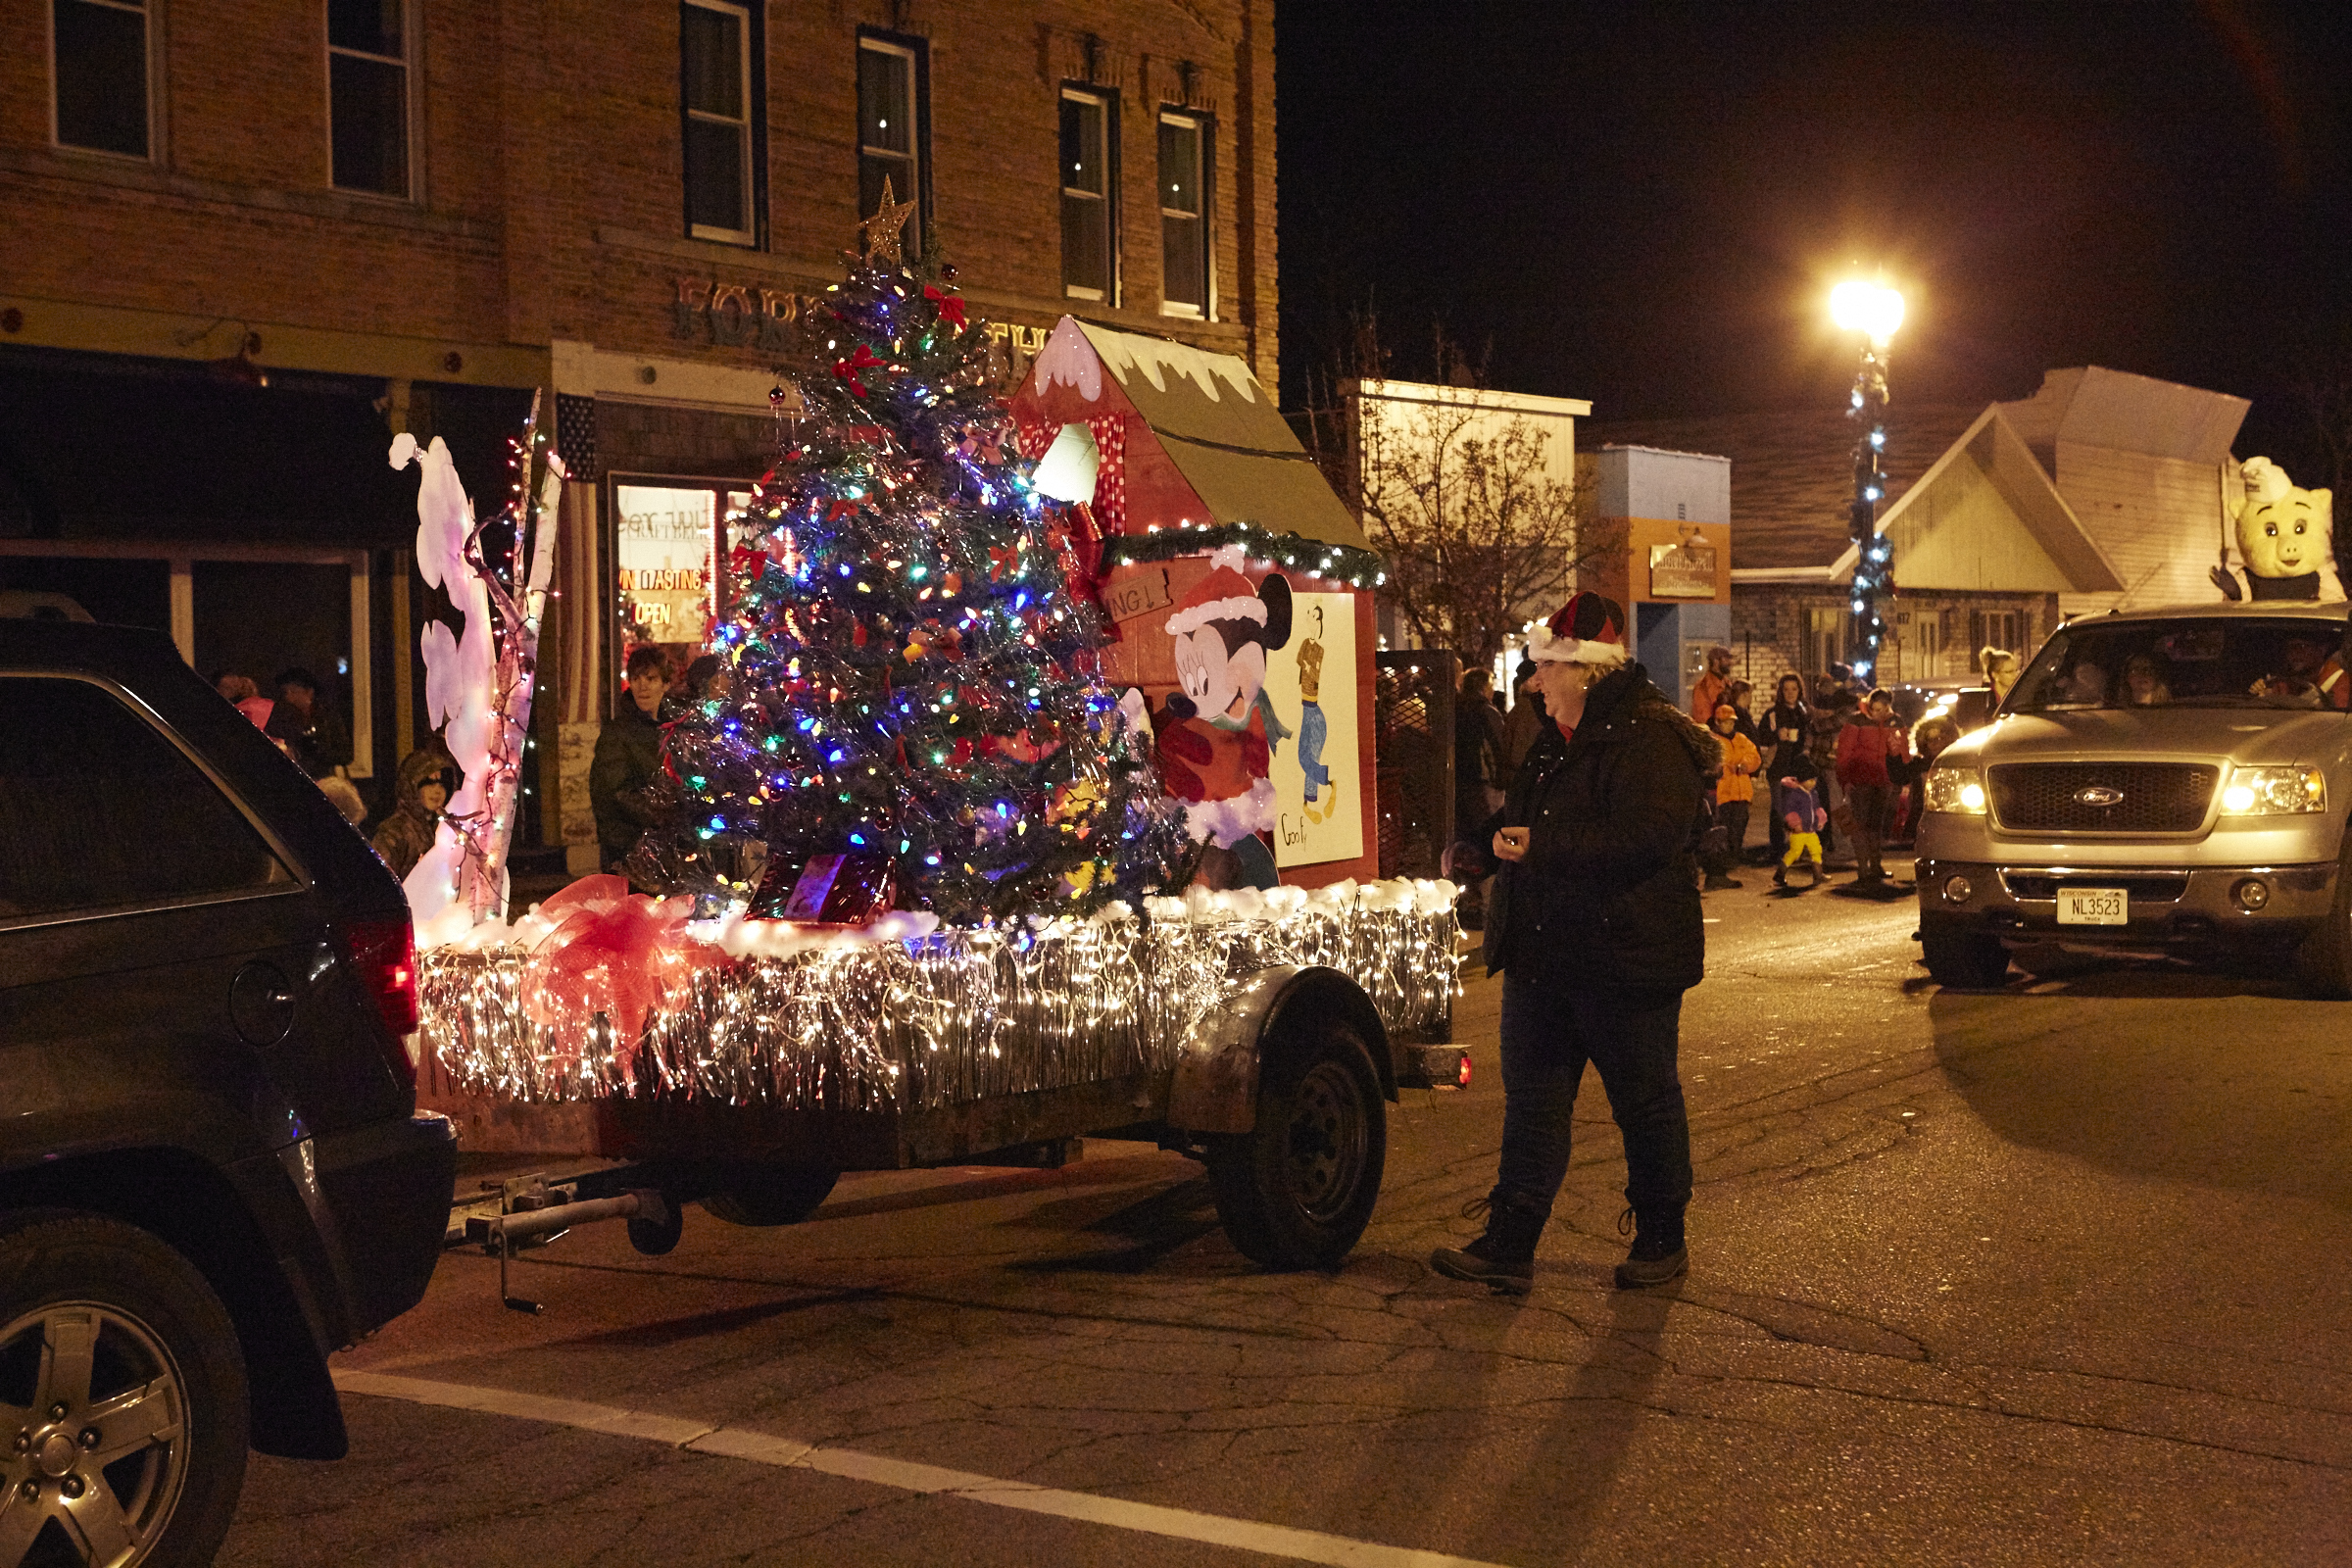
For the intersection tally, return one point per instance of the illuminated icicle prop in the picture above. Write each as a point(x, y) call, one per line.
point(907, 1016)
point(477, 687)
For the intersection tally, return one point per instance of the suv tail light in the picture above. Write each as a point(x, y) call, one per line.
point(383, 953)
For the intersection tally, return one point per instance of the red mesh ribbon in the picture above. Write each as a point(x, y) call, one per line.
point(612, 951)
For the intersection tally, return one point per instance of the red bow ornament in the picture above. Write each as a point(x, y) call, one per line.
point(863, 360)
point(950, 306)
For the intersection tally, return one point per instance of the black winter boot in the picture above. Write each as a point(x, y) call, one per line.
point(1658, 1255)
point(1503, 1259)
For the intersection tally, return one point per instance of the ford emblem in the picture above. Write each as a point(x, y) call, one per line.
point(2098, 795)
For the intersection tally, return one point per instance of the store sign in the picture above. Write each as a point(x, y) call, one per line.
point(665, 554)
point(737, 314)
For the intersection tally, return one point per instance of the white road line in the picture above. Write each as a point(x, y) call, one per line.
point(1247, 1535)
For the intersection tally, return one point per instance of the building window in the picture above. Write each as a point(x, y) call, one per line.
point(890, 132)
point(1997, 628)
point(1184, 147)
point(716, 91)
point(100, 74)
point(367, 94)
point(1825, 639)
point(1089, 264)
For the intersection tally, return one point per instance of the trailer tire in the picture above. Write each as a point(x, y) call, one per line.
point(758, 1194)
point(1297, 1191)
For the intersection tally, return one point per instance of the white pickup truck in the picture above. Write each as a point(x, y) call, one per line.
point(2162, 781)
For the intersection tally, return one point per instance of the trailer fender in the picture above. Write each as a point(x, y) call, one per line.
point(1215, 1087)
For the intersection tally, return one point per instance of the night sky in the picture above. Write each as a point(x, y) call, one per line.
point(1644, 204)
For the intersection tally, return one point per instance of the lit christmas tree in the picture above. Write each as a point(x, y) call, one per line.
point(912, 680)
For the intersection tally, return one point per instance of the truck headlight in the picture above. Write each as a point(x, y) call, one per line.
point(1956, 789)
point(2274, 791)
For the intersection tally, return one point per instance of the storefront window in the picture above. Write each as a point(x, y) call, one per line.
point(666, 556)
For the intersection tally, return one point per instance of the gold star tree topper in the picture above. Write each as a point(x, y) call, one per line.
point(881, 231)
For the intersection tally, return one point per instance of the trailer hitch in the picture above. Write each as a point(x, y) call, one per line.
point(537, 1213)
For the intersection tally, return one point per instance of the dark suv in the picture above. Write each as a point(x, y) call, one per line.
point(212, 1172)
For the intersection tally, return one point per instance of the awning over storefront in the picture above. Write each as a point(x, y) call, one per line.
point(1172, 437)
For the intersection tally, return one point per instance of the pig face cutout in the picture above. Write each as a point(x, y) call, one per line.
point(2284, 532)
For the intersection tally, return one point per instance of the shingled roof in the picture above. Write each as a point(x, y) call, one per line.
point(1792, 474)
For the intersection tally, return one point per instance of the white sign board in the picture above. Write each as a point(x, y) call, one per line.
point(666, 555)
point(1319, 783)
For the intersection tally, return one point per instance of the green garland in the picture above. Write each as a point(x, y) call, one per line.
point(1359, 568)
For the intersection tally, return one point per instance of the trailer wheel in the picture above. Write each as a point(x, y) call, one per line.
point(746, 1194)
point(1297, 1190)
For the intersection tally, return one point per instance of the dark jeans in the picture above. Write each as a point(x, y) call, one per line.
point(1632, 1039)
point(1873, 807)
point(1732, 818)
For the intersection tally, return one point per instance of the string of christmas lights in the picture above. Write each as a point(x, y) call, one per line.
point(882, 1022)
point(1358, 568)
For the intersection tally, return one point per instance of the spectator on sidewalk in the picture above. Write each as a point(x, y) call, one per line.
point(421, 788)
point(1734, 791)
point(1713, 685)
point(1868, 749)
point(1786, 723)
point(1797, 803)
point(628, 751)
point(1480, 773)
point(1928, 738)
point(307, 726)
point(1525, 722)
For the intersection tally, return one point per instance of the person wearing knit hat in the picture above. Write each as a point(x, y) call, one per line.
point(1594, 926)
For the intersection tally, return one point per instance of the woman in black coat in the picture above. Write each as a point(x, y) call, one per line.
point(1594, 926)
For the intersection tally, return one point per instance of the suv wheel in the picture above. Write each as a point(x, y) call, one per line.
point(1297, 1190)
point(123, 1399)
point(1965, 960)
point(2323, 962)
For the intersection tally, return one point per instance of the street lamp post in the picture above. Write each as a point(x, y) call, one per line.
point(1875, 311)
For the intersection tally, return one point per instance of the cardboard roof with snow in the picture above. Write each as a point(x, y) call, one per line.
point(1158, 434)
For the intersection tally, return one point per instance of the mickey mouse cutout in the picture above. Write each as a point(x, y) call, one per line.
point(1213, 747)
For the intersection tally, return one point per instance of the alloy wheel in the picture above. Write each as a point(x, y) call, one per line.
point(93, 1438)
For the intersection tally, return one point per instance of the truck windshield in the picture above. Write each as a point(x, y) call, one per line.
point(2199, 662)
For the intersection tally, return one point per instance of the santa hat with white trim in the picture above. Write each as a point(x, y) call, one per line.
point(1225, 595)
point(1588, 629)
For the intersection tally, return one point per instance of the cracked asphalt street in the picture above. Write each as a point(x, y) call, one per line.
point(2054, 1275)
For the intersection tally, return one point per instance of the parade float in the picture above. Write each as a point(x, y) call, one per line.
point(952, 864)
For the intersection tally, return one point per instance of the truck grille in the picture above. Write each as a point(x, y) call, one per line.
point(2157, 797)
point(2143, 888)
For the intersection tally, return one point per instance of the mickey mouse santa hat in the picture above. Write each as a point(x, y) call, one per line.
point(1588, 629)
point(1224, 595)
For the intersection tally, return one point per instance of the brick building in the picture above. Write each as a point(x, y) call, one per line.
point(249, 239)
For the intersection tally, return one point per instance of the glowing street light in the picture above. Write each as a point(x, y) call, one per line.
point(1875, 311)
point(1871, 308)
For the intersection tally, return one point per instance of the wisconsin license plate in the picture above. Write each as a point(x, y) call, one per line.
point(2093, 906)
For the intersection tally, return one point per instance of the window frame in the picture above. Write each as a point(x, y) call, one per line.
point(298, 877)
point(412, 195)
point(917, 53)
point(755, 128)
point(1107, 100)
point(148, 72)
point(1205, 127)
